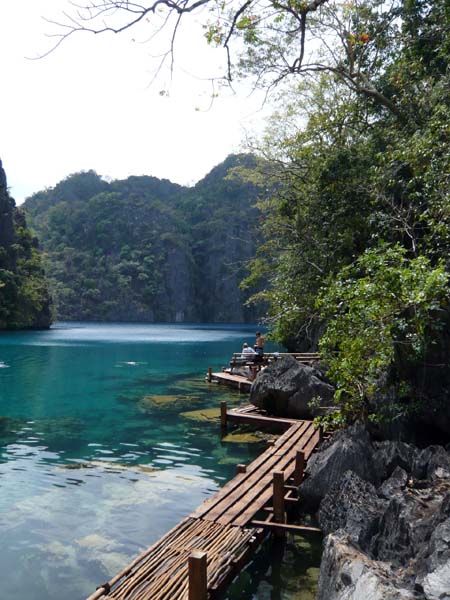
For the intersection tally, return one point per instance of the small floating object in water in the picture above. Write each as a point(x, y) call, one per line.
point(3, 365)
point(130, 363)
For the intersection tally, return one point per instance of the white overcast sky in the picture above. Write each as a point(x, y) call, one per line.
point(88, 105)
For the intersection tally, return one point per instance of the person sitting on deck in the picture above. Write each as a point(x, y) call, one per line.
point(247, 352)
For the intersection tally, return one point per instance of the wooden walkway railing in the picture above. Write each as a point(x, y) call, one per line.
point(198, 556)
point(242, 359)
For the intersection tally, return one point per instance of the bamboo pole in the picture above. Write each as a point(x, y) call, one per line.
point(209, 374)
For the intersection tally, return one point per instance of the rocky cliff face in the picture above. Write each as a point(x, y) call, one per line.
point(145, 249)
point(224, 222)
point(7, 234)
point(24, 297)
point(384, 508)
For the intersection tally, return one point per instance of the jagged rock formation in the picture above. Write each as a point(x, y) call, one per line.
point(24, 297)
point(290, 389)
point(145, 249)
point(386, 518)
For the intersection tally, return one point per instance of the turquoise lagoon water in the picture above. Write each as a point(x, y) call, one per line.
point(98, 460)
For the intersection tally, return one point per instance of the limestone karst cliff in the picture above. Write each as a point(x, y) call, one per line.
point(24, 297)
point(145, 249)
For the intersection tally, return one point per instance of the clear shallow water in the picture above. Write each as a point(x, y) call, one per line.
point(92, 470)
point(287, 570)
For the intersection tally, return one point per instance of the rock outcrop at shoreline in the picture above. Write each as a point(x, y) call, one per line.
point(385, 510)
point(291, 389)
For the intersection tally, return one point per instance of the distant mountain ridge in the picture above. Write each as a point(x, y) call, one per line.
point(24, 296)
point(145, 249)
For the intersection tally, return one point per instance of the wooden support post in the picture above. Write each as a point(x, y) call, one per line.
point(198, 582)
point(241, 468)
point(320, 434)
point(299, 467)
point(278, 497)
point(209, 374)
point(223, 414)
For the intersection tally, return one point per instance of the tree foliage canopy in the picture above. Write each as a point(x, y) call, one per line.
point(357, 239)
point(144, 249)
point(24, 295)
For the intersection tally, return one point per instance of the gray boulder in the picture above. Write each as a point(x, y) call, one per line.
point(352, 505)
point(432, 568)
point(395, 485)
point(390, 454)
point(436, 583)
point(349, 450)
point(429, 460)
point(388, 543)
point(407, 527)
point(346, 573)
point(287, 387)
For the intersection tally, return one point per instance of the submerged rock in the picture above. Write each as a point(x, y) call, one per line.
point(108, 467)
point(202, 415)
point(243, 438)
point(165, 401)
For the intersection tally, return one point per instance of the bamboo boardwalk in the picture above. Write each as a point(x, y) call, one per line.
point(199, 555)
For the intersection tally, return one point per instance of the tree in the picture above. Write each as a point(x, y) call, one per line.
point(362, 220)
point(268, 40)
point(24, 296)
point(381, 316)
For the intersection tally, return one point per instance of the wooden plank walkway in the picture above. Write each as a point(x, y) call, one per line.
point(251, 415)
point(225, 526)
point(238, 502)
point(234, 380)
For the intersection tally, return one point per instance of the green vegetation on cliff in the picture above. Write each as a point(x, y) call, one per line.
point(357, 241)
point(143, 249)
point(24, 297)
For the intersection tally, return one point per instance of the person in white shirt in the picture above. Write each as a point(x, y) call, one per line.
point(246, 349)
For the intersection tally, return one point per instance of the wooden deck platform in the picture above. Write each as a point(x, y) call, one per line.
point(225, 527)
point(251, 415)
point(239, 382)
point(239, 501)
